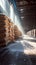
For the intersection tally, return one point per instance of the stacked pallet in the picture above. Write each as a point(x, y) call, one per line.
point(4, 30)
point(32, 33)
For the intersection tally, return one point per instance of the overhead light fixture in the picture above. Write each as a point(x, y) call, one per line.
point(21, 9)
point(22, 17)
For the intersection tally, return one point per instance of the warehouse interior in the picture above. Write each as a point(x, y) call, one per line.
point(27, 14)
point(18, 32)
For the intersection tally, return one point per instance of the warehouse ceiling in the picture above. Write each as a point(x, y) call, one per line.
point(27, 13)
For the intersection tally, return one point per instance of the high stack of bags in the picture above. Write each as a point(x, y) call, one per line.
point(4, 30)
point(9, 32)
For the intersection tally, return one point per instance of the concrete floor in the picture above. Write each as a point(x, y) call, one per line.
point(22, 52)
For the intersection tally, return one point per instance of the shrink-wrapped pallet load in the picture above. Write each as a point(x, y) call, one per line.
point(4, 30)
